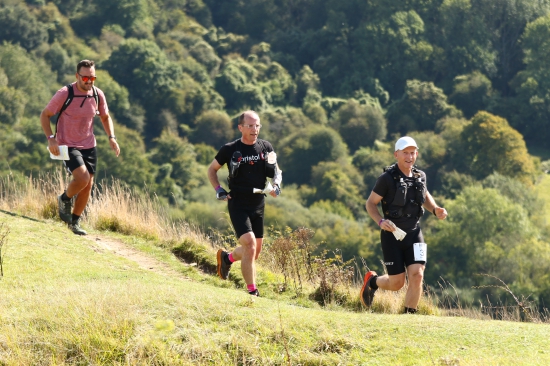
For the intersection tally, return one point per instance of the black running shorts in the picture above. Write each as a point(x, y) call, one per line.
point(246, 219)
point(79, 157)
point(399, 254)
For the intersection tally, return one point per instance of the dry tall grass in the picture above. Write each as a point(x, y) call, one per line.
point(113, 207)
point(326, 278)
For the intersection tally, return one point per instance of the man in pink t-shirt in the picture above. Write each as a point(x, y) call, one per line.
point(75, 129)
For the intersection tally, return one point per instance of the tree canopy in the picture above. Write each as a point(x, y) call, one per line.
point(335, 83)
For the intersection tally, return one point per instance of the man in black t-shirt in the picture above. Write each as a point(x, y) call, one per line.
point(403, 192)
point(250, 162)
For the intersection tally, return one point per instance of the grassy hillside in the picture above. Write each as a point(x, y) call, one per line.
point(69, 300)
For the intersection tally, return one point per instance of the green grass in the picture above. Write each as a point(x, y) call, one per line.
point(64, 302)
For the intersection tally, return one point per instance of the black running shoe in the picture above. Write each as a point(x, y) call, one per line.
point(254, 293)
point(64, 210)
point(75, 228)
point(367, 293)
point(223, 267)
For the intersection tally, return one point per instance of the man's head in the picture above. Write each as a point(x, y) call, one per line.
point(249, 125)
point(406, 152)
point(85, 75)
point(405, 142)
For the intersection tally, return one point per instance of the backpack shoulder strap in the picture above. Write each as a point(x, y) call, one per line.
point(68, 101)
point(262, 144)
point(96, 97)
point(392, 171)
point(417, 173)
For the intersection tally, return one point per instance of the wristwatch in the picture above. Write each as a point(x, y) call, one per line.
point(112, 137)
point(51, 137)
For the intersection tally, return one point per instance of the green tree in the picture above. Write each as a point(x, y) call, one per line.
point(57, 25)
point(181, 157)
point(142, 67)
point(224, 42)
point(520, 193)
point(491, 145)
point(529, 112)
point(464, 37)
point(371, 161)
point(206, 56)
point(60, 61)
point(255, 83)
point(432, 151)
point(279, 122)
point(20, 26)
point(506, 23)
point(479, 236)
point(12, 103)
point(213, 128)
point(360, 124)
point(391, 49)
point(132, 167)
point(236, 83)
point(419, 109)
point(339, 183)
point(335, 207)
point(156, 82)
point(132, 15)
point(205, 153)
point(18, 65)
point(472, 93)
point(306, 81)
point(128, 113)
point(306, 148)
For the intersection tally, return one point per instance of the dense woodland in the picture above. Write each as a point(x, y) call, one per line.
point(335, 83)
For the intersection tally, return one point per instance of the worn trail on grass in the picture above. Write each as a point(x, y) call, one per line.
point(101, 244)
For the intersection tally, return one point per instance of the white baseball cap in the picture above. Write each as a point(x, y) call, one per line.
point(405, 142)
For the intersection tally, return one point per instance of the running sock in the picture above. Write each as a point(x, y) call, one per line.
point(64, 196)
point(227, 259)
point(75, 218)
point(231, 259)
point(251, 288)
point(373, 284)
point(410, 310)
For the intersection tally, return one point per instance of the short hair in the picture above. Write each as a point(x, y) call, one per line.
point(241, 117)
point(84, 63)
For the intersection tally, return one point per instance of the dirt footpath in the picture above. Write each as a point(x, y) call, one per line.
point(103, 244)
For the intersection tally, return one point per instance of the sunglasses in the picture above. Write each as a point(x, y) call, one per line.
point(86, 78)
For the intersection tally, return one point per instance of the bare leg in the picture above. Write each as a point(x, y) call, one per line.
point(246, 253)
point(391, 283)
point(83, 197)
point(81, 186)
point(416, 275)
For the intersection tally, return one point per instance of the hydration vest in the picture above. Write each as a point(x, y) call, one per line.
point(395, 204)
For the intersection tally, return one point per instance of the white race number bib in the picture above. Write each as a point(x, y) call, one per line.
point(420, 252)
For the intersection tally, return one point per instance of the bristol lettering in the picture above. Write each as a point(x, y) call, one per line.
point(250, 159)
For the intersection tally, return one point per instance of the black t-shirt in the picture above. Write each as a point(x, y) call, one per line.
point(386, 187)
point(251, 170)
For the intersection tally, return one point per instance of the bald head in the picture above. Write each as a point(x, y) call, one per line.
point(248, 117)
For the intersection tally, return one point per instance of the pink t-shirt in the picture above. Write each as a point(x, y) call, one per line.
point(75, 125)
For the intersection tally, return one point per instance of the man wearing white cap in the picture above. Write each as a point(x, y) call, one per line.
point(403, 193)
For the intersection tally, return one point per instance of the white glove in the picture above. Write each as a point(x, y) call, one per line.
point(271, 157)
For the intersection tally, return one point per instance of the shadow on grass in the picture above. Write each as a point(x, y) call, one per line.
point(22, 216)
